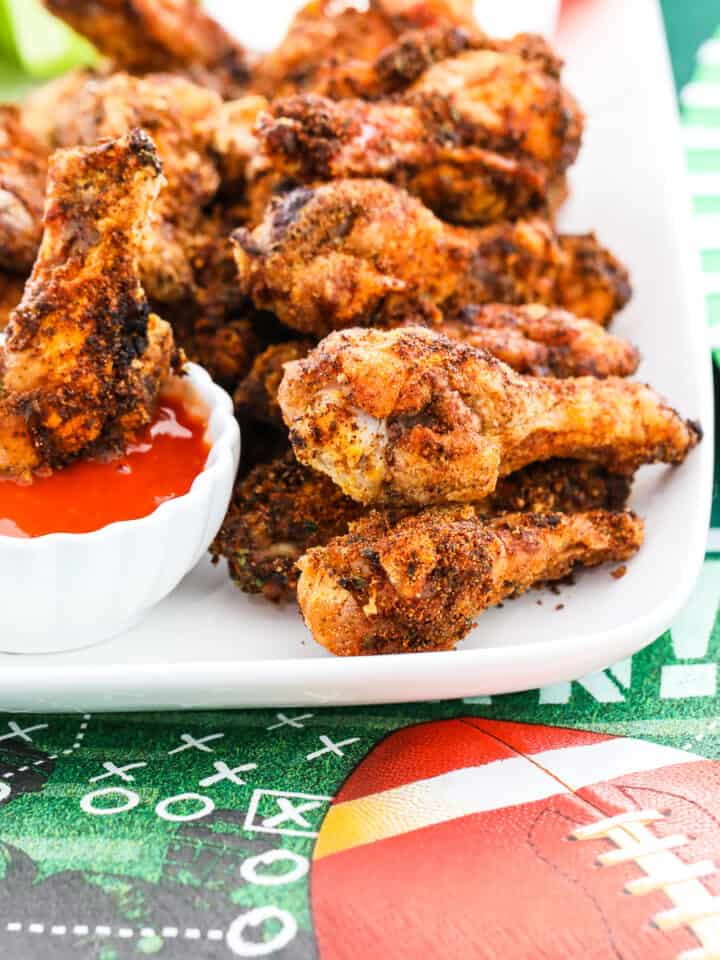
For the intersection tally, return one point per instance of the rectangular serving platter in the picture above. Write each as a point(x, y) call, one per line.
point(209, 646)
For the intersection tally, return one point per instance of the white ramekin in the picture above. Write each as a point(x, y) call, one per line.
point(68, 590)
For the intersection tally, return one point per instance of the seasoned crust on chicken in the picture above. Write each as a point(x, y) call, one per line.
point(321, 34)
point(366, 252)
point(233, 140)
point(480, 137)
point(543, 341)
point(23, 167)
point(408, 416)
point(176, 112)
point(279, 510)
point(152, 35)
point(256, 394)
point(84, 358)
point(185, 120)
point(419, 584)
point(532, 339)
point(282, 509)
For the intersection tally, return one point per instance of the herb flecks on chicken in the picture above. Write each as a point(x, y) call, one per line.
point(84, 357)
point(409, 416)
point(420, 583)
point(365, 252)
point(282, 509)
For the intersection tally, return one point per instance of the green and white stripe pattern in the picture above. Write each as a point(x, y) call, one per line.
point(700, 101)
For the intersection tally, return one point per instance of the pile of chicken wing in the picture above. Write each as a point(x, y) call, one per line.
point(355, 234)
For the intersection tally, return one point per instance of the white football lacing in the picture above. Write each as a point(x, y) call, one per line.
point(693, 904)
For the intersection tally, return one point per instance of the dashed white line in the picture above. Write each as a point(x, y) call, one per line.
point(123, 933)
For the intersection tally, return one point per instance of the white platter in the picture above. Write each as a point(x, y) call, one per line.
point(209, 646)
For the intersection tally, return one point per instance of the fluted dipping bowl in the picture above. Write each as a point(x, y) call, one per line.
point(68, 590)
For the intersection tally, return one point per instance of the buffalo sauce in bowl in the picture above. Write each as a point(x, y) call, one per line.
point(159, 465)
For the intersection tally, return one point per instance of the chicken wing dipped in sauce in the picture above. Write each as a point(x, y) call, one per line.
point(420, 583)
point(144, 36)
point(281, 509)
point(84, 358)
point(409, 416)
point(480, 137)
point(366, 252)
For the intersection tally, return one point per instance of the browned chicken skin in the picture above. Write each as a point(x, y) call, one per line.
point(256, 394)
point(282, 509)
point(543, 341)
point(533, 339)
point(480, 137)
point(366, 252)
point(176, 112)
point(84, 358)
point(152, 35)
point(408, 416)
point(23, 168)
point(419, 584)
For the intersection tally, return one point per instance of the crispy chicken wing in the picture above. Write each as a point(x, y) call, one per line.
point(419, 584)
point(323, 32)
point(480, 137)
point(176, 112)
point(84, 358)
point(543, 341)
point(408, 416)
point(533, 339)
point(151, 35)
point(23, 168)
point(282, 509)
point(365, 251)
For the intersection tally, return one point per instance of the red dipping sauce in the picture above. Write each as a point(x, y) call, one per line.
point(159, 465)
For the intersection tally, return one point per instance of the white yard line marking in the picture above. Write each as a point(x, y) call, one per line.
point(123, 933)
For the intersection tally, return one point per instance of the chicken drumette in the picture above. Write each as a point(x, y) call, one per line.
point(365, 251)
point(419, 584)
point(533, 339)
point(282, 509)
point(153, 35)
point(480, 137)
point(409, 416)
point(84, 358)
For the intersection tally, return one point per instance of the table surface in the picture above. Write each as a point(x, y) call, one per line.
point(403, 831)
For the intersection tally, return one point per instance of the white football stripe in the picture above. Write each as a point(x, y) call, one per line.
point(493, 786)
point(581, 766)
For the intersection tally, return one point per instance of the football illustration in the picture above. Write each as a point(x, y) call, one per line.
point(489, 839)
